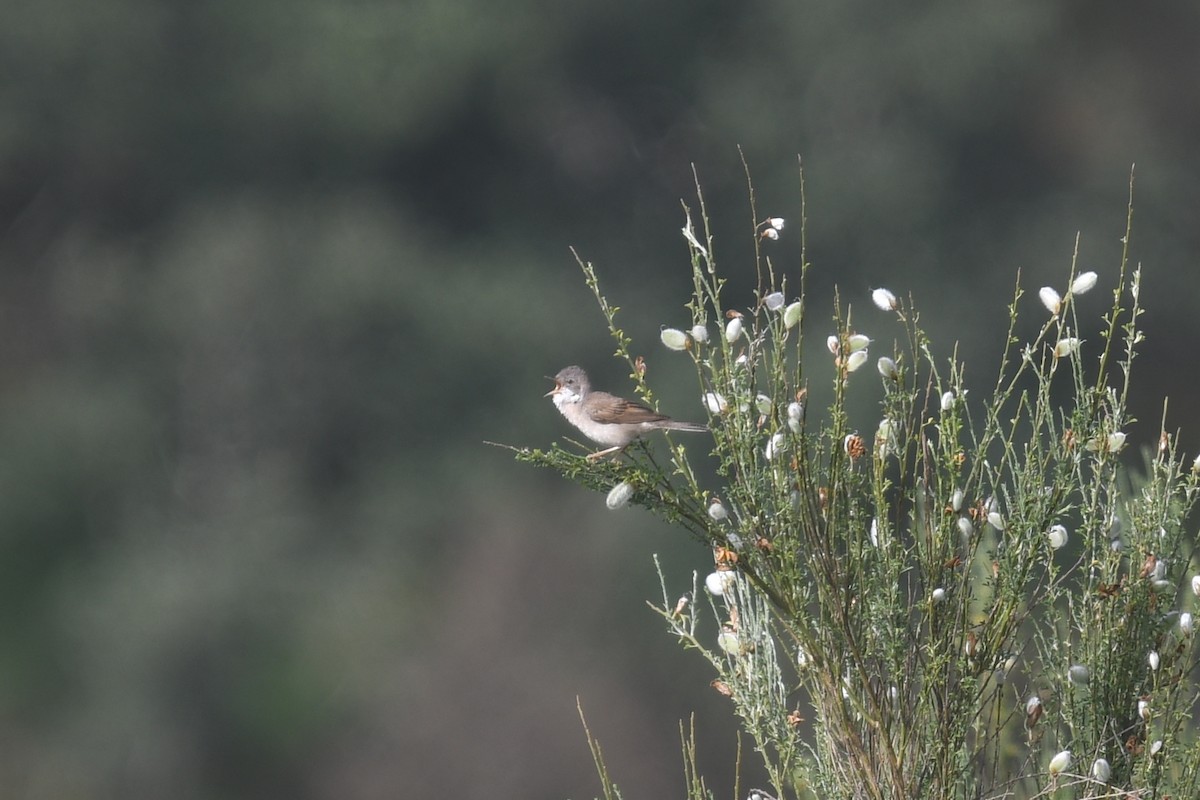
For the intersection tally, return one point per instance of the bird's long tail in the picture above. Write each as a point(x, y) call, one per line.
point(676, 425)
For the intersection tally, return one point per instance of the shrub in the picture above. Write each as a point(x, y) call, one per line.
point(970, 600)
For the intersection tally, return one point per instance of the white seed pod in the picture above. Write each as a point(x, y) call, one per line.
point(874, 531)
point(1067, 347)
point(771, 233)
point(1058, 536)
point(674, 338)
point(1196, 585)
point(763, 404)
point(733, 330)
point(883, 437)
point(1079, 674)
point(618, 496)
point(939, 595)
point(834, 344)
point(719, 582)
point(884, 300)
point(1050, 299)
point(947, 402)
point(1032, 705)
point(1060, 762)
point(717, 511)
point(956, 500)
point(795, 416)
point(1144, 710)
point(1156, 748)
point(774, 445)
point(887, 368)
point(965, 527)
point(995, 520)
point(1160, 569)
point(858, 342)
point(1153, 660)
point(1116, 441)
point(1101, 771)
point(776, 223)
point(728, 641)
point(715, 403)
point(1162, 586)
point(700, 333)
point(774, 301)
point(1196, 464)
point(856, 360)
point(1083, 282)
point(791, 314)
point(1186, 623)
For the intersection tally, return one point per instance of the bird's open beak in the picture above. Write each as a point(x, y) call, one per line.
point(557, 388)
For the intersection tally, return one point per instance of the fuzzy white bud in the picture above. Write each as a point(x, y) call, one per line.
point(719, 582)
point(733, 330)
point(1060, 762)
point(1058, 536)
point(700, 333)
point(727, 640)
point(791, 314)
point(674, 338)
point(774, 301)
point(887, 368)
point(715, 403)
point(856, 360)
point(1066, 347)
point(947, 401)
point(773, 446)
point(717, 511)
point(1083, 282)
point(1050, 299)
point(1101, 771)
point(965, 527)
point(619, 495)
point(884, 300)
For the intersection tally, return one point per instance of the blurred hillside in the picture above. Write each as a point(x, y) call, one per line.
point(272, 274)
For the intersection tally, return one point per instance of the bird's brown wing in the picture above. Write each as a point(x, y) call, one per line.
point(617, 410)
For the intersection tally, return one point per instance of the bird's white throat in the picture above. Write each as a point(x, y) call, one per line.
point(565, 396)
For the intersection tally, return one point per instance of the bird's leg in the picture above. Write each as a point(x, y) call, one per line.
point(602, 453)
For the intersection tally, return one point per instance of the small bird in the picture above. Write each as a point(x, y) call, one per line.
point(605, 418)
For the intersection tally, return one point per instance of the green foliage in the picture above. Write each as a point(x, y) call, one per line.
point(955, 600)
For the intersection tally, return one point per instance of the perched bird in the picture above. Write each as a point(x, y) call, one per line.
point(604, 418)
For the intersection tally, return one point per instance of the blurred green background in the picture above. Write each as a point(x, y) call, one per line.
point(273, 272)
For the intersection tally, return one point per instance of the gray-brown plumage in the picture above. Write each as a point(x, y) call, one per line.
point(605, 418)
